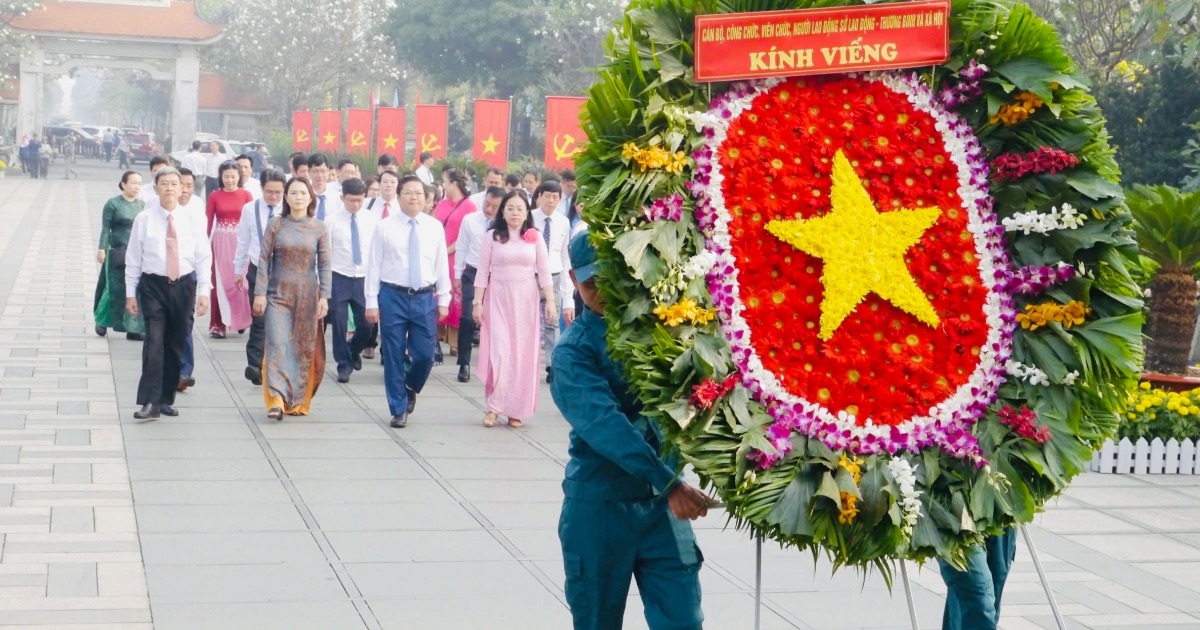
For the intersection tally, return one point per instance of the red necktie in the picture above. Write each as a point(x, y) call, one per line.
point(172, 250)
point(386, 207)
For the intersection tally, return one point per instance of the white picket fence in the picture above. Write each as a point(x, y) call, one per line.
point(1142, 457)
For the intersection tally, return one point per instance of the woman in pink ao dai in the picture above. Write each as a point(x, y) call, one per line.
point(512, 268)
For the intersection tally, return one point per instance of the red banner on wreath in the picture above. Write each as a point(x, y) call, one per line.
point(432, 128)
point(358, 131)
point(302, 124)
point(329, 130)
point(389, 131)
point(822, 41)
point(564, 135)
point(491, 131)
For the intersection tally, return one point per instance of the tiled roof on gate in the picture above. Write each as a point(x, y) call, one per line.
point(176, 21)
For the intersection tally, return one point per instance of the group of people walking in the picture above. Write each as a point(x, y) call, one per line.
point(287, 256)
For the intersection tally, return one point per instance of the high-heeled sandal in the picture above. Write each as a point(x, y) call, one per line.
point(489, 419)
point(515, 423)
point(275, 413)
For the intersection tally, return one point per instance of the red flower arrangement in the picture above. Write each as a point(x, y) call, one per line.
point(1023, 422)
point(1011, 166)
point(708, 392)
point(881, 364)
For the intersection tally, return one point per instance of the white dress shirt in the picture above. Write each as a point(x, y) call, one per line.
point(375, 205)
point(249, 241)
point(341, 244)
point(470, 240)
point(388, 261)
point(147, 194)
point(147, 251)
point(333, 204)
point(424, 174)
point(195, 162)
point(254, 187)
point(478, 198)
point(212, 164)
point(559, 260)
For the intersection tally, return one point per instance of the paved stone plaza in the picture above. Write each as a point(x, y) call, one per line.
point(222, 519)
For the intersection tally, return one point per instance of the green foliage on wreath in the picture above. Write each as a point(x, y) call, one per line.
point(640, 97)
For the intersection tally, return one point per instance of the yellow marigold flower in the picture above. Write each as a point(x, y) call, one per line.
point(1144, 385)
point(1074, 313)
point(849, 509)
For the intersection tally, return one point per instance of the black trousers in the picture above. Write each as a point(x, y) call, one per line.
point(258, 326)
point(211, 184)
point(167, 308)
point(466, 324)
point(348, 294)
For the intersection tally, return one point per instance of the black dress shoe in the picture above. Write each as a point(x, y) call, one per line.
point(253, 375)
point(343, 377)
point(275, 413)
point(147, 412)
point(169, 410)
point(412, 401)
point(102, 331)
point(464, 374)
point(185, 382)
point(357, 362)
point(135, 336)
point(400, 421)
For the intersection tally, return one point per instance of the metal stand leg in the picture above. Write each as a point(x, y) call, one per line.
point(912, 606)
point(1037, 564)
point(758, 583)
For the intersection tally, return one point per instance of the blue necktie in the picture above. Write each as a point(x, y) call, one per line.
point(546, 233)
point(414, 256)
point(354, 242)
point(320, 207)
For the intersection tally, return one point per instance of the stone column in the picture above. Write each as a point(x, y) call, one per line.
point(29, 107)
point(185, 105)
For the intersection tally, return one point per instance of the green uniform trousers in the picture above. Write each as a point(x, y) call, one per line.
point(605, 543)
point(973, 596)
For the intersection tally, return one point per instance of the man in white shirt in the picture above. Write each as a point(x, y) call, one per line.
point(246, 172)
point(256, 215)
point(297, 165)
point(493, 177)
point(346, 169)
point(569, 186)
point(168, 272)
point(423, 171)
point(556, 233)
point(386, 204)
point(466, 263)
point(194, 161)
point(212, 168)
point(407, 291)
point(189, 203)
point(328, 202)
point(147, 194)
point(351, 233)
point(529, 183)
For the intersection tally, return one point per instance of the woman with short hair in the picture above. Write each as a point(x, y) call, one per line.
point(115, 227)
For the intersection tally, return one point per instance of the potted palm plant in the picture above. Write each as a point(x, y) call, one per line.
point(1167, 223)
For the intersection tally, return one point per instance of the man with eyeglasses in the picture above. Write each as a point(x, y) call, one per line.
point(328, 202)
point(407, 291)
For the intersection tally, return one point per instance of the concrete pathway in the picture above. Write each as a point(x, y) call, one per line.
point(221, 519)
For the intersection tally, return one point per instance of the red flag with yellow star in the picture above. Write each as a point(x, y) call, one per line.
point(329, 131)
point(564, 133)
point(389, 132)
point(302, 126)
point(491, 131)
point(358, 131)
point(433, 127)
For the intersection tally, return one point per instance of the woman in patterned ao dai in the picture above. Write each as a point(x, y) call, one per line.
point(295, 300)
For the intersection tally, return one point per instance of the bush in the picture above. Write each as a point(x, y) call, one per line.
point(1158, 413)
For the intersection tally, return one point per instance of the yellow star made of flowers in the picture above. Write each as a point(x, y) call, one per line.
point(863, 250)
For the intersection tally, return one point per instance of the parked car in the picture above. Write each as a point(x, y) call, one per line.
point(85, 145)
point(141, 146)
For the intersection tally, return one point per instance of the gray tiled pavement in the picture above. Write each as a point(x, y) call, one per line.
point(221, 519)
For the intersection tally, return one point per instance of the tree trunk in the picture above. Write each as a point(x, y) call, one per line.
point(1172, 318)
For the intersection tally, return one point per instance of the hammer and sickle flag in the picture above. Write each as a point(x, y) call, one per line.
point(432, 129)
point(491, 131)
point(358, 130)
point(389, 131)
point(302, 125)
point(564, 131)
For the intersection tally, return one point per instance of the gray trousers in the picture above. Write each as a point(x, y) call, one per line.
point(550, 327)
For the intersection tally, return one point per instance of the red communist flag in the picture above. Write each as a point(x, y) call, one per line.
point(302, 124)
point(491, 132)
point(358, 131)
point(329, 130)
point(389, 132)
point(564, 133)
point(432, 128)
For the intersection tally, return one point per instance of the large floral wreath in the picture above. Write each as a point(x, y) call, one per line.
point(881, 314)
